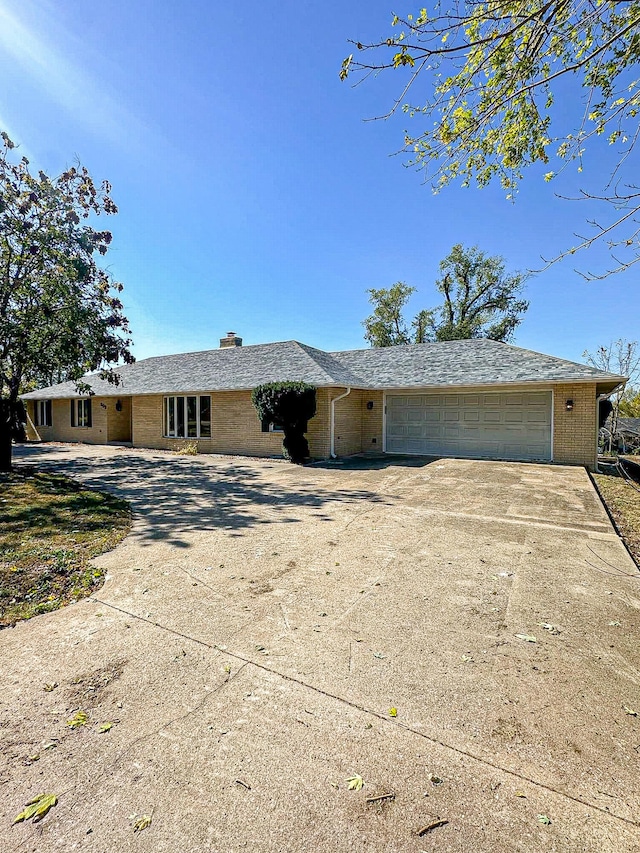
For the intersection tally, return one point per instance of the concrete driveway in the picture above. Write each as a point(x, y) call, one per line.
point(260, 622)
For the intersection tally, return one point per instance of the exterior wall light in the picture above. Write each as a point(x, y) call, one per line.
point(119, 406)
point(569, 405)
point(370, 405)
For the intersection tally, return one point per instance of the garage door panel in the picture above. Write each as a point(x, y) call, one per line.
point(500, 425)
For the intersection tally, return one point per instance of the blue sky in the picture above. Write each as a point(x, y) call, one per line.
point(253, 197)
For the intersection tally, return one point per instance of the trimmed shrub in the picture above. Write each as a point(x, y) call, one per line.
point(289, 406)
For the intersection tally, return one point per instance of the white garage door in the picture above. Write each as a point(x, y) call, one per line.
point(493, 425)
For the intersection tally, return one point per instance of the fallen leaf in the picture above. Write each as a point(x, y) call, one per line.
point(467, 658)
point(105, 727)
point(520, 794)
point(435, 780)
point(614, 623)
point(378, 655)
point(393, 712)
point(528, 638)
point(80, 718)
point(51, 745)
point(37, 808)
point(630, 711)
point(142, 823)
point(51, 686)
point(542, 818)
point(355, 782)
point(549, 627)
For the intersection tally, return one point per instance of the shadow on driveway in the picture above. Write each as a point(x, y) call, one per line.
point(173, 496)
point(375, 463)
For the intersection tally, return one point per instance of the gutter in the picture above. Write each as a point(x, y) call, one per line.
point(332, 429)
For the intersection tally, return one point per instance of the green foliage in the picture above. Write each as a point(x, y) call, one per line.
point(386, 326)
point(288, 405)
point(480, 301)
point(630, 403)
point(60, 313)
point(483, 79)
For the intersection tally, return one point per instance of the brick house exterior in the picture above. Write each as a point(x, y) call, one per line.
point(452, 398)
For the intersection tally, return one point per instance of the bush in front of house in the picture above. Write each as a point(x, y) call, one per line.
point(289, 406)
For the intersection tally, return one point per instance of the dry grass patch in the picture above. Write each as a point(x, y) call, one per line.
point(623, 502)
point(50, 528)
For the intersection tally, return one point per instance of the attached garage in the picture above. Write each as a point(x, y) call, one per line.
point(471, 398)
point(512, 425)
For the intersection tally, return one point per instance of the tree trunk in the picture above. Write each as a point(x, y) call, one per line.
point(5, 435)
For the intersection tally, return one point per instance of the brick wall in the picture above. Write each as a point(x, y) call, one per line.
point(318, 432)
point(119, 422)
point(235, 427)
point(372, 421)
point(574, 432)
point(348, 422)
point(61, 429)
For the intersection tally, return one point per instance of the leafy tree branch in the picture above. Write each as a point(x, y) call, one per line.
point(484, 78)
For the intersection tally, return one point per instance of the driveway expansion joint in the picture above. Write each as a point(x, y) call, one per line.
point(378, 715)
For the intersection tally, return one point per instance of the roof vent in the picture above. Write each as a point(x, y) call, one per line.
point(232, 340)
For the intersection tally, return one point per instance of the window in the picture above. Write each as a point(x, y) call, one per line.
point(42, 413)
point(81, 413)
point(187, 417)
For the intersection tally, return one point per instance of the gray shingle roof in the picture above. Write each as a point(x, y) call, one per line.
point(468, 362)
point(451, 363)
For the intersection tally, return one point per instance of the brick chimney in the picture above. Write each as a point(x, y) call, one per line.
point(232, 340)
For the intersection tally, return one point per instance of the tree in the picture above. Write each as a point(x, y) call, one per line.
point(480, 301)
point(288, 405)
point(622, 358)
point(484, 77)
point(630, 403)
point(386, 326)
point(60, 313)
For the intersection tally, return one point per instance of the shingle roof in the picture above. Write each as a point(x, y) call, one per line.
point(446, 364)
point(467, 362)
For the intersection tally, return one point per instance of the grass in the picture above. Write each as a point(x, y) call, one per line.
point(623, 502)
point(50, 528)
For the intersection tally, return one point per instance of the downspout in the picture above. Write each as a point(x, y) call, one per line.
point(332, 422)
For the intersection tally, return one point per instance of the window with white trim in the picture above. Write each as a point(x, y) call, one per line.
point(187, 416)
point(42, 413)
point(81, 412)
